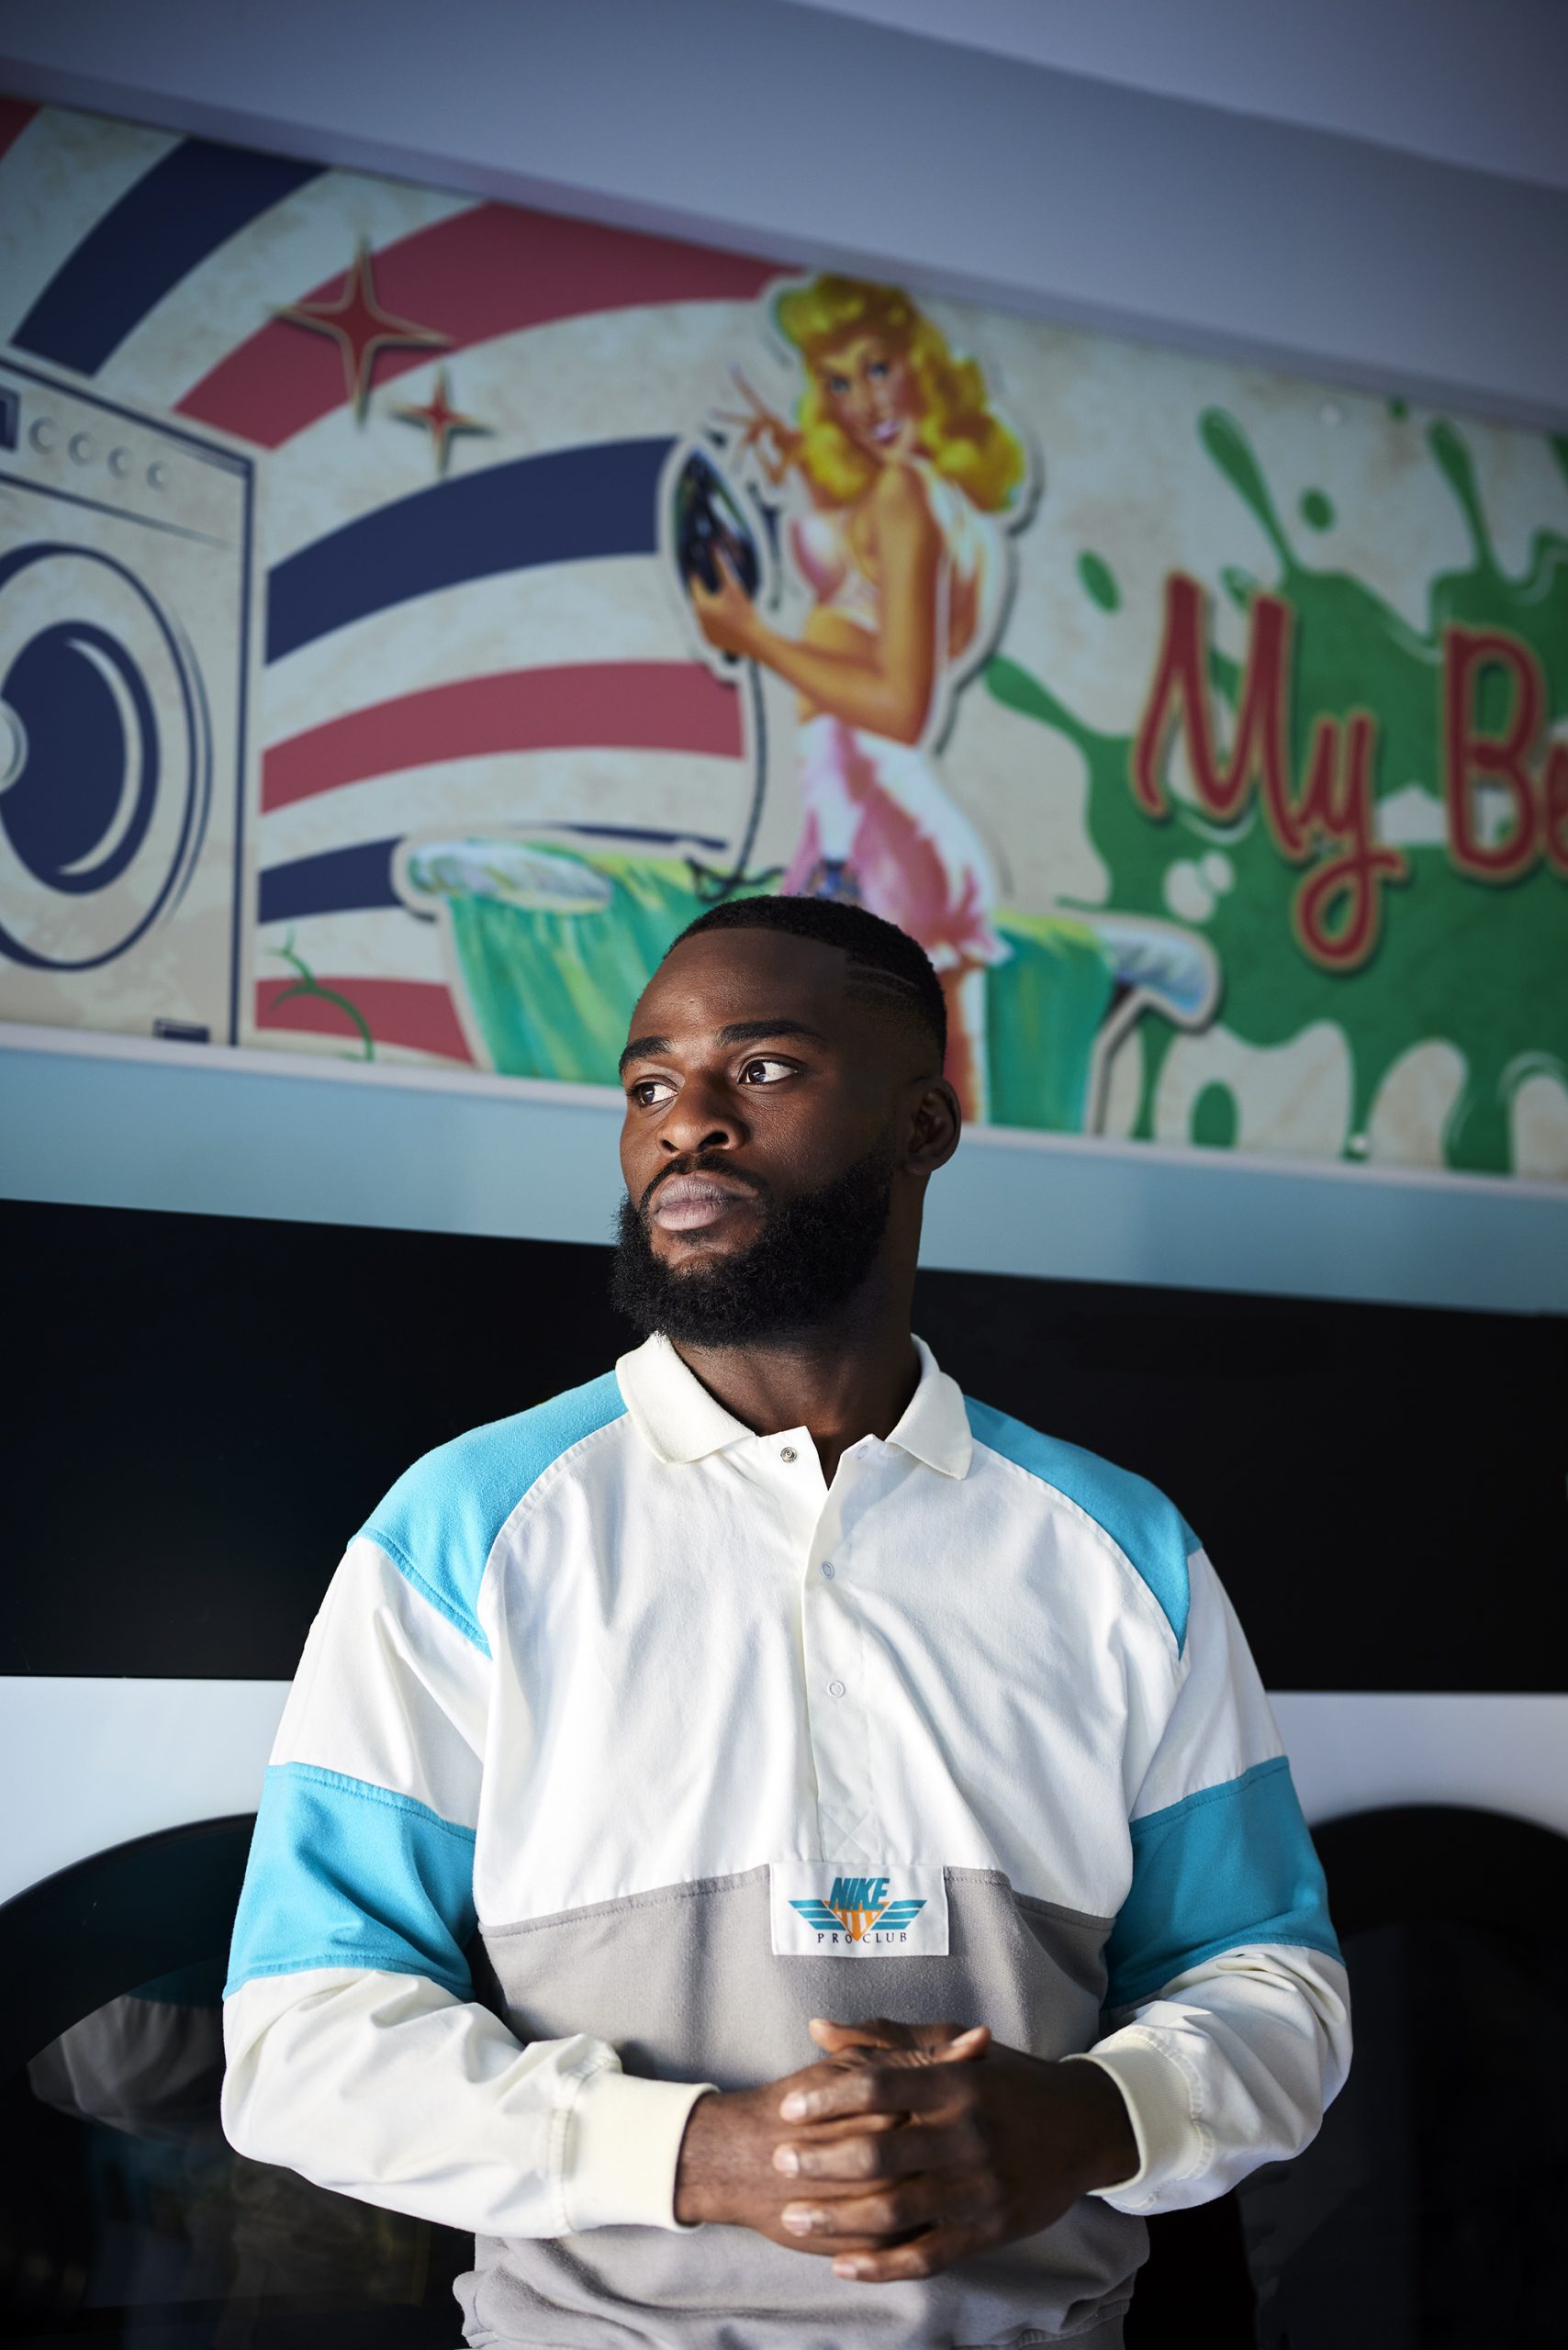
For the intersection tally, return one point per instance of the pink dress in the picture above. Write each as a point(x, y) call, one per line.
point(877, 810)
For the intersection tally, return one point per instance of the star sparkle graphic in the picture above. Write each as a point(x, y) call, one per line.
point(361, 328)
point(441, 420)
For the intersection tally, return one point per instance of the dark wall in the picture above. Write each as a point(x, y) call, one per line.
point(203, 1409)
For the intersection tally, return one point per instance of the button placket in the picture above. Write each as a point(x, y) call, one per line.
point(834, 1637)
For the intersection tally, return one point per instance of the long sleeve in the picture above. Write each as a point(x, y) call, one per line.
point(356, 2052)
point(1227, 1994)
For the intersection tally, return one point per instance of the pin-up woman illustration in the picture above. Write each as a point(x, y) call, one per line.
point(912, 480)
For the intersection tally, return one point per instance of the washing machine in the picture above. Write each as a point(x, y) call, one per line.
point(126, 625)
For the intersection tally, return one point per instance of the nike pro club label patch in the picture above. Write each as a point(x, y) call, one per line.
point(837, 1909)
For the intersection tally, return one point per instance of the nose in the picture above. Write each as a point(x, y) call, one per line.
point(703, 1116)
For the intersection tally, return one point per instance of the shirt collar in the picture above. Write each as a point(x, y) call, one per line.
point(670, 1408)
point(678, 1420)
point(935, 1423)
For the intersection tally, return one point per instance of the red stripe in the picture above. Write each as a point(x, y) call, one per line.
point(591, 705)
point(414, 1012)
point(484, 272)
point(14, 115)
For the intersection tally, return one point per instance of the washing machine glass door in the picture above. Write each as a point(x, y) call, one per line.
point(106, 761)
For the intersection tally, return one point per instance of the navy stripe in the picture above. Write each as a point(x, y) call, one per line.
point(569, 507)
point(343, 880)
point(192, 201)
point(339, 881)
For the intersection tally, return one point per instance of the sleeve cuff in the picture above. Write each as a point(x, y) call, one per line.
point(623, 2147)
point(1173, 2143)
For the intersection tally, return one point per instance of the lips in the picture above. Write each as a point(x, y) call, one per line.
point(689, 1203)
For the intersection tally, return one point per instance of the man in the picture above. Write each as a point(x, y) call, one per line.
point(760, 1687)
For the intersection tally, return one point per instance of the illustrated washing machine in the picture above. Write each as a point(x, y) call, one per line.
point(124, 655)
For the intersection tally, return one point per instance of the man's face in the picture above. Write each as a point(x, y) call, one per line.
point(765, 1111)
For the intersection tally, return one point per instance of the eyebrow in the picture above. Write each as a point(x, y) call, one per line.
point(738, 1032)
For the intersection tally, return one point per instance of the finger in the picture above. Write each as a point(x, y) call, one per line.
point(965, 2048)
point(927, 2254)
point(901, 2081)
point(860, 2152)
point(879, 2031)
point(851, 2125)
point(896, 2209)
point(875, 2031)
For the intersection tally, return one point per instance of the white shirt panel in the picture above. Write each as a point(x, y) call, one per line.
point(680, 1691)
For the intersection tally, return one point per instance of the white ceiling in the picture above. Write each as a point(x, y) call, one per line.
point(1482, 83)
point(1365, 191)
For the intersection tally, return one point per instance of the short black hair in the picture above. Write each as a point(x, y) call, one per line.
point(889, 968)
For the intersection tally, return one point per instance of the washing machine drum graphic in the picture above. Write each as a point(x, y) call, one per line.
point(105, 767)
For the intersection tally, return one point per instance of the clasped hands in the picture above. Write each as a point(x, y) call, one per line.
point(907, 2148)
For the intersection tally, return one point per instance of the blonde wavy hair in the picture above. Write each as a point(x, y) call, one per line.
point(960, 432)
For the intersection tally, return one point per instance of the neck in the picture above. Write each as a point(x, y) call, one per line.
point(849, 1377)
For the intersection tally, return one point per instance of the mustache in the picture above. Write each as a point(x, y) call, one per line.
point(701, 1162)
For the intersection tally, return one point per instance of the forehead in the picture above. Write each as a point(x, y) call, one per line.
point(842, 358)
point(723, 977)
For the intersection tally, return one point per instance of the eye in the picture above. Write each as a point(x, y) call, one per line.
point(765, 1072)
point(838, 386)
point(650, 1092)
point(877, 369)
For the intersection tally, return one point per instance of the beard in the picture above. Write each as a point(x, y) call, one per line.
point(812, 1255)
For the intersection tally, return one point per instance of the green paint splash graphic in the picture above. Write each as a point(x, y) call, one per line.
point(1098, 581)
point(1484, 968)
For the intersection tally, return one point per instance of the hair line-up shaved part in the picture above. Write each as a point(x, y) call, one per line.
point(887, 967)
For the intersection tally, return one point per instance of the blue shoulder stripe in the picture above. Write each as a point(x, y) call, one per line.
point(345, 1874)
point(440, 1521)
point(1233, 1863)
point(1149, 1529)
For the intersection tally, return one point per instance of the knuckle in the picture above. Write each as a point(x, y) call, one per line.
point(988, 2197)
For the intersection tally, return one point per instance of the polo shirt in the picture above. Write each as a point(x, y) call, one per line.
point(623, 1744)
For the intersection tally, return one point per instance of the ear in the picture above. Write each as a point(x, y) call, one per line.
point(936, 1123)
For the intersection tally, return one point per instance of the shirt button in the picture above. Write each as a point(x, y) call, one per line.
point(787, 1452)
point(835, 1688)
point(827, 1569)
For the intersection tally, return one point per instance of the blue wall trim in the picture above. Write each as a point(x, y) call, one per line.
point(440, 1519)
point(345, 1874)
point(254, 1135)
point(1149, 1529)
point(190, 202)
point(1232, 1863)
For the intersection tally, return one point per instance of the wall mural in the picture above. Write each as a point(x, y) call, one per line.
point(413, 611)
